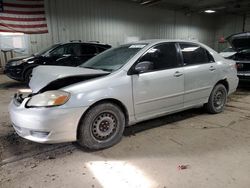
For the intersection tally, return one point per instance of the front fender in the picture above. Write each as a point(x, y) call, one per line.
point(115, 87)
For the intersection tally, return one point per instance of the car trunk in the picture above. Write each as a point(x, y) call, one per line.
point(240, 41)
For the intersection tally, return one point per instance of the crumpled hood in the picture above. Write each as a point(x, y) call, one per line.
point(44, 75)
point(240, 41)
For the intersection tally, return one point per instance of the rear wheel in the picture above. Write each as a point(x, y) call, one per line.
point(101, 127)
point(217, 99)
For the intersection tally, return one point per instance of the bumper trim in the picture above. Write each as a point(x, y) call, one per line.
point(243, 74)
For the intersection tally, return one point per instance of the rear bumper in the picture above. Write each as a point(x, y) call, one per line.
point(244, 75)
point(233, 82)
point(45, 125)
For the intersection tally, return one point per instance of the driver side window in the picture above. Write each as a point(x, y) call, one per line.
point(163, 56)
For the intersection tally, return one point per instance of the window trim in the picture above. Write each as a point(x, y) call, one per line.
point(192, 43)
point(131, 71)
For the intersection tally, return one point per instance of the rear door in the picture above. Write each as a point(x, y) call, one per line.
point(201, 73)
point(160, 89)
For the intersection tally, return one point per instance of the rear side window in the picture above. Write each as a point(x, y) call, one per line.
point(88, 49)
point(163, 56)
point(194, 54)
point(101, 49)
point(73, 49)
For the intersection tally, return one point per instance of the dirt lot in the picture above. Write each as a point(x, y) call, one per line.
point(188, 149)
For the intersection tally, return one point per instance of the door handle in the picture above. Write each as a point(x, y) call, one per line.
point(178, 74)
point(212, 68)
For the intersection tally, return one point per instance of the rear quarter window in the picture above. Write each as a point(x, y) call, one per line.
point(101, 49)
point(88, 49)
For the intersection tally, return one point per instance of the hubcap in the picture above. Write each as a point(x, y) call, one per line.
point(104, 126)
point(219, 99)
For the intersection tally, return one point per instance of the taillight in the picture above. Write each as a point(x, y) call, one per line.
point(236, 66)
point(239, 66)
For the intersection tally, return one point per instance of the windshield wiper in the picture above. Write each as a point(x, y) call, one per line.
point(87, 67)
point(108, 70)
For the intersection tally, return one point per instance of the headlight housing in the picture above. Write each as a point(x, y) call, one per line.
point(16, 63)
point(49, 99)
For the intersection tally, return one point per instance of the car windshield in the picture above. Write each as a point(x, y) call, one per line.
point(114, 58)
point(44, 51)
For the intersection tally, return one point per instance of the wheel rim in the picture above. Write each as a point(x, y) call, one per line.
point(219, 99)
point(104, 126)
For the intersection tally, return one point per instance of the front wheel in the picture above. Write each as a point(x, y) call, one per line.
point(27, 76)
point(217, 99)
point(101, 127)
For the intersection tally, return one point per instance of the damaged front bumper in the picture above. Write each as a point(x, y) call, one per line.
point(45, 125)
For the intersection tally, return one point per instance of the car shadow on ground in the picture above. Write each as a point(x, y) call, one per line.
point(14, 148)
point(243, 86)
point(167, 120)
point(12, 85)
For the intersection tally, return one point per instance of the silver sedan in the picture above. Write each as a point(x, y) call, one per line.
point(93, 103)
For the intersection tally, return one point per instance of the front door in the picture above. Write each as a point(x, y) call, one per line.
point(160, 89)
point(62, 55)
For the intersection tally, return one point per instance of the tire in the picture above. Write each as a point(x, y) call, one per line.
point(27, 76)
point(101, 127)
point(217, 99)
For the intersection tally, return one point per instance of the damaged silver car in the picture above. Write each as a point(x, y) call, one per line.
point(93, 103)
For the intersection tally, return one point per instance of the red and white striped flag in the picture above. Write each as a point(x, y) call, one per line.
point(23, 16)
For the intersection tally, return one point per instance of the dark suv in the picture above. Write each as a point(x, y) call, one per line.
point(66, 54)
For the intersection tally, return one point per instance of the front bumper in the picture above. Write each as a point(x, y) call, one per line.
point(46, 125)
point(14, 73)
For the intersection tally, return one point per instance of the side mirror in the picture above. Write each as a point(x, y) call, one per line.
point(143, 66)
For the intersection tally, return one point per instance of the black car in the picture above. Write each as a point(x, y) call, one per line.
point(66, 54)
point(241, 44)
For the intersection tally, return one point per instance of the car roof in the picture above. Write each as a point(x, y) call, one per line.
point(88, 43)
point(152, 41)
